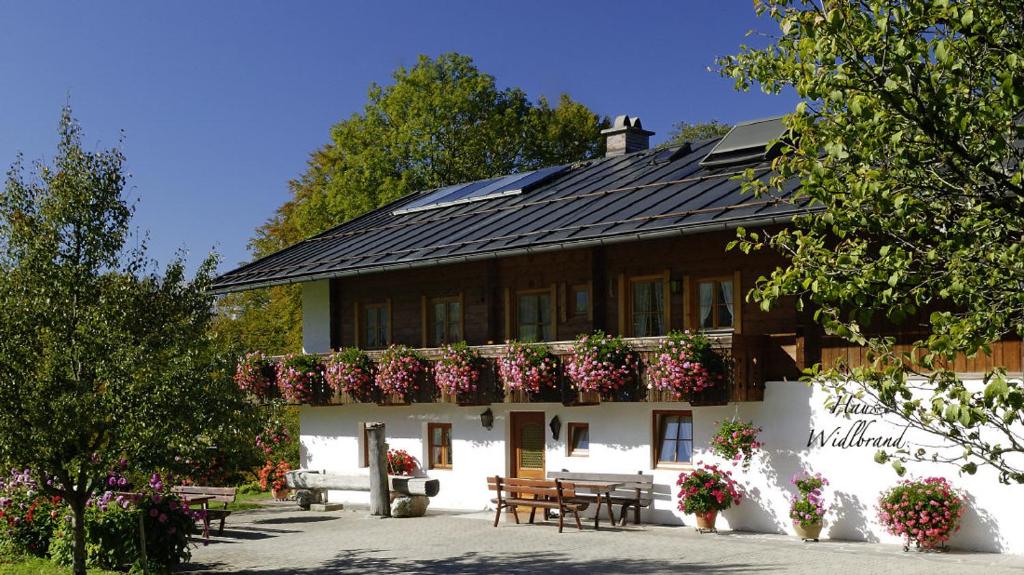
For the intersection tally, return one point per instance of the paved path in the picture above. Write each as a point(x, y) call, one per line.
point(281, 539)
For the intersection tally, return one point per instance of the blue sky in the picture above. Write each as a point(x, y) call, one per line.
point(221, 102)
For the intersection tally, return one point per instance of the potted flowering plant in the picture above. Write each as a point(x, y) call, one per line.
point(926, 512)
point(704, 492)
point(349, 373)
point(736, 441)
point(601, 366)
point(255, 374)
point(527, 370)
point(807, 510)
point(272, 477)
point(401, 463)
point(301, 377)
point(400, 375)
point(684, 365)
point(457, 374)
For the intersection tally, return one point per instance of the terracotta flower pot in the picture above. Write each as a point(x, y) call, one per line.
point(280, 494)
point(706, 521)
point(809, 533)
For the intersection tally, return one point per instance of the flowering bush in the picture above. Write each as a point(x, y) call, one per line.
point(272, 437)
point(736, 441)
point(685, 364)
point(400, 371)
point(527, 366)
point(807, 507)
point(255, 373)
point(350, 371)
point(401, 463)
point(926, 512)
point(301, 377)
point(601, 363)
point(27, 517)
point(272, 475)
point(707, 489)
point(458, 370)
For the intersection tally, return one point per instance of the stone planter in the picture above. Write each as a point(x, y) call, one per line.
point(809, 533)
point(706, 521)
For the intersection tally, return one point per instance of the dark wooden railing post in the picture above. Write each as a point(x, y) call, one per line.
point(380, 494)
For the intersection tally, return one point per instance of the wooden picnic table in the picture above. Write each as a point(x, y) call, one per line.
point(600, 488)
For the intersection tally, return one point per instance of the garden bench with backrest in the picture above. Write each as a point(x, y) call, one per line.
point(515, 492)
point(634, 490)
point(205, 494)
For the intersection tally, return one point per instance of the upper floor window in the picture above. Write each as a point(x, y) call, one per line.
point(376, 326)
point(716, 304)
point(533, 316)
point(446, 320)
point(579, 301)
point(647, 306)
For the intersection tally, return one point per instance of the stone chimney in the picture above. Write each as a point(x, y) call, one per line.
point(627, 135)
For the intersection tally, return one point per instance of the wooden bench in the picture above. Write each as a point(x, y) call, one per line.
point(223, 495)
point(515, 492)
point(637, 489)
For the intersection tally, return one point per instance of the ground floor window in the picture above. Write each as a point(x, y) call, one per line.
point(439, 445)
point(579, 439)
point(673, 437)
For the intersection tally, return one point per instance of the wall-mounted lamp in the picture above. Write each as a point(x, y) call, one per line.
point(556, 427)
point(487, 419)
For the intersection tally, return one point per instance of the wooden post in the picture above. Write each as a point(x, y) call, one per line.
point(142, 543)
point(380, 495)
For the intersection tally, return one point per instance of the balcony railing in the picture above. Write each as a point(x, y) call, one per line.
point(743, 353)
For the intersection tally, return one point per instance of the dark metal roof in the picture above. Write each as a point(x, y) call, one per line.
point(649, 194)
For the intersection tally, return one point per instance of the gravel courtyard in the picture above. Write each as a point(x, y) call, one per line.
point(282, 539)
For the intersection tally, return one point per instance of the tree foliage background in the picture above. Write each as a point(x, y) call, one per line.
point(440, 122)
point(908, 137)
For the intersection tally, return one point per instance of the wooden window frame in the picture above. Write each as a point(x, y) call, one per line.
point(360, 329)
point(570, 428)
point(428, 321)
point(693, 302)
point(446, 428)
point(656, 438)
point(552, 294)
point(626, 301)
point(570, 304)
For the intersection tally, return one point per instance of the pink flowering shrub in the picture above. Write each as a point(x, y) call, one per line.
point(350, 371)
point(807, 507)
point(400, 371)
point(527, 366)
point(301, 377)
point(272, 437)
point(255, 374)
point(707, 488)
point(685, 364)
point(736, 441)
point(601, 363)
point(457, 372)
point(926, 512)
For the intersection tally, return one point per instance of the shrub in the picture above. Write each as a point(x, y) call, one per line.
point(926, 512)
point(400, 371)
point(686, 363)
point(457, 372)
point(272, 475)
point(256, 374)
point(272, 437)
point(807, 507)
point(27, 517)
point(736, 441)
point(707, 489)
point(527, 366)
point(350, 371)
point(301, 377)
point(401, 463)
point(601, 363)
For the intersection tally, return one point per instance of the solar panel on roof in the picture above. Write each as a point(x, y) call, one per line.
point(746, 142)
point(481, 190)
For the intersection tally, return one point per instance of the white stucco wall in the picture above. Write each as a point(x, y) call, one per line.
point(316, 316)
point(620, 443)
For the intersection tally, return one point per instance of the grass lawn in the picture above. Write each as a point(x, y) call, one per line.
point(245, 501)
point(37, 566)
